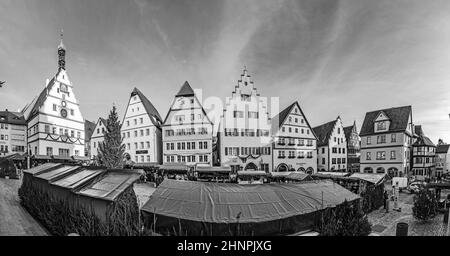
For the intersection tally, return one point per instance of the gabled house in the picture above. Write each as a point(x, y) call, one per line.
point(386, 139)
point(331, 146)
point(353, 147)
point(141, 130)
point(187, 131)
point(294, 142)
point(88, 131)
point(13, 133)
point(55, 124)
point(244, 139)
point(98, 136)
point(423, 164)
point(442, 159)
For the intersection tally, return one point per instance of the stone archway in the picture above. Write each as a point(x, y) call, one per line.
point(381, 170)
point(301, 169)
point(368, 170)
point(310, 170)
point(282, 168)
point(251, 166)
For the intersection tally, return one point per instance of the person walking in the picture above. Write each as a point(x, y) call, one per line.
point(385, 196)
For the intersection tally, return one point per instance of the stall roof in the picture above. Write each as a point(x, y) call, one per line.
point(111, 185)
point(177, 167)
point(334, 173)
point(298, 176)
point(42, 157)
point(251, 173)
point(53, 174)
point(224, 202)
point(78, 178)
point(374, 178)
point(38, 169)
point(212, 169)
point(57, 157)
point(81, 158)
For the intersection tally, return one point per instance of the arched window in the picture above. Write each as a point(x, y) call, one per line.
point(301, 169)
point(310, 170)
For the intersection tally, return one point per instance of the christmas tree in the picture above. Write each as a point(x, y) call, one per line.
point(425, 205)
point(111, 150)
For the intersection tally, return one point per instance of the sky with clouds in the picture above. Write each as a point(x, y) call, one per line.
point(335, 57)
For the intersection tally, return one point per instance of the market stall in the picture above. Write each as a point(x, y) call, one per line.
point(214, 174)
point(85, 200)
point(207, 208)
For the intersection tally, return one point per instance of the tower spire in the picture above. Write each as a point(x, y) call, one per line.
point(61, 53)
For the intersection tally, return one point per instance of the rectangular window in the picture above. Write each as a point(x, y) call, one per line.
point(238, 114)
point(252, 114)
point(369, 140)
point(381, 139)
point(49, 151)
point(47, 128)
point(394, 137)
point(368, 156)
point(54, 107)
point(392, 154)
point(381, 155)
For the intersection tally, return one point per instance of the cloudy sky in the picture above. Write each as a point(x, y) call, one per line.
point(335, 57)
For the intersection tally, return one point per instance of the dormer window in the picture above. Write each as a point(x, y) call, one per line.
point(381, 126)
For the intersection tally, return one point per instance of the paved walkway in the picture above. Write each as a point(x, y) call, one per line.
point(14, 219)
point(384, 223)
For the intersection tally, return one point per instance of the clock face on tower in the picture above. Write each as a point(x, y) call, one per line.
point(64, 113)
point(63, 88)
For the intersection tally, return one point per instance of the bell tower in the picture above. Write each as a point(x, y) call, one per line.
point(61, 54)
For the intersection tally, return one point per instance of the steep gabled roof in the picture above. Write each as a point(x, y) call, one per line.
point(104, 121)
point(9, 117)
point(323, 132)
point(41, 98)
point(418, 130)
point(423, 141)
point(186, 90)
point(151, 110)
point(442, 149)
point(88, 129)
point(348, 131)
point(285, 113)
point(398, 116)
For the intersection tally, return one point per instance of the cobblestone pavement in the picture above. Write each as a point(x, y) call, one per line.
point(388, 221)
point(14, 219)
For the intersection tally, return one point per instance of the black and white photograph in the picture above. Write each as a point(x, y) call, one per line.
point(246, 119)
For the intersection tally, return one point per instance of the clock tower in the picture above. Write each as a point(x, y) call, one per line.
point(54, 119)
